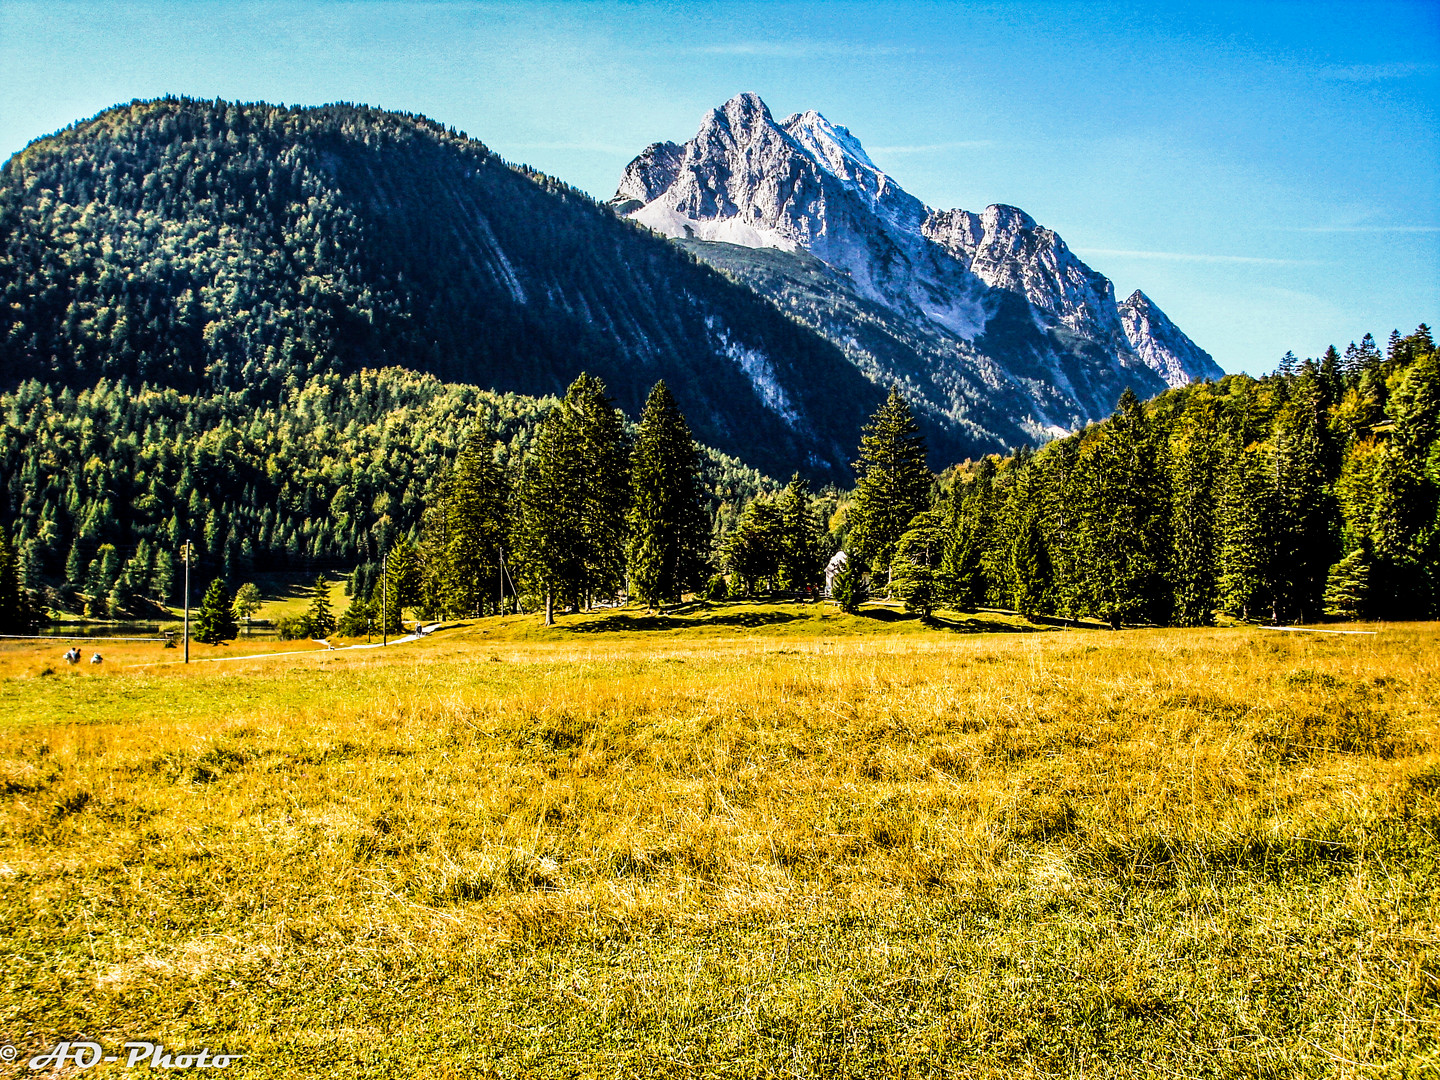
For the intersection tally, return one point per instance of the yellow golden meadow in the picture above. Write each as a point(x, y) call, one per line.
point(751, 841)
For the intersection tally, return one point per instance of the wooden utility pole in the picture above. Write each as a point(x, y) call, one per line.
point(385, 599)
point(187, 601)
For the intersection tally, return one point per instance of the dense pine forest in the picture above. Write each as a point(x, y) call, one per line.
point(102, 486)
point(1308, 493)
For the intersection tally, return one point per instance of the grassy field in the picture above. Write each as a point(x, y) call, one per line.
point(749, 841)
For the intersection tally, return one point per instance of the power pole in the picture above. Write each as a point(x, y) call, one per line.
point(187, 601)
point(500, 577)
point(385, 599)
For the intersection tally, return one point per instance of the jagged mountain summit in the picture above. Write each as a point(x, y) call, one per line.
point(989, 320)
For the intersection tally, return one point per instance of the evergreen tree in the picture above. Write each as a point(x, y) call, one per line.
point(1194, 470)
point(894, 483)
point(216, 621)
point(669, 530)
point(1029, 567)
point(850, 589)
point(405, 572)
point(1245, 519)
point(355, 619)
point(1347, 587)
point(1126, 542)
point(917, 557)
point(74, 567)
point(467, 561)
point(754, 551)
point(120, 598)
point(162, 578)
point(799, 538)
point(574, 499)
point(322, 622)
point(1304, 537)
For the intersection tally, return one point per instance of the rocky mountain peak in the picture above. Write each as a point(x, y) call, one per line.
point(1162, 344)
point(650, 174)
point(807, 184)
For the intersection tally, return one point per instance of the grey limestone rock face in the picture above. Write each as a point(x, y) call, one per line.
point(995, 316)
point(1162, 344)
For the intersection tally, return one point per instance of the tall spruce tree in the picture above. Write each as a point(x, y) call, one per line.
point(1194, 470)
point(574, 497)
point(669, 526)
point(1245, 521)
point(1126, 543)
point(1347, 587)
point(918, 554)
point(1305, 524)
point(799, 537)
point(322, 619)
point(464, 559)
point(850, 588)
point(894, 482)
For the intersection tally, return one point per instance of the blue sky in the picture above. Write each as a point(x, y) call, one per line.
point(1269, 173)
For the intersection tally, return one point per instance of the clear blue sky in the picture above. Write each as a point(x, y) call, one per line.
point(1269, 173)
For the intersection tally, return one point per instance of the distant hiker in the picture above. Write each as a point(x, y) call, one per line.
point(96, 659)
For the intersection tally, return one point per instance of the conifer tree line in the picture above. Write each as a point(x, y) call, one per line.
point(102, 486)
point(589, 514)
point(1313, 492)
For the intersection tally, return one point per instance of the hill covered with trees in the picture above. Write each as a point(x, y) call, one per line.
point(210, 247)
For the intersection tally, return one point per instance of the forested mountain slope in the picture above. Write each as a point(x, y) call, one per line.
point(209, 246)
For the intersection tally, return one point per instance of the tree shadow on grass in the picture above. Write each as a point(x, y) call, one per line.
point(970, 624)
point(624, 621)
point(980, 625)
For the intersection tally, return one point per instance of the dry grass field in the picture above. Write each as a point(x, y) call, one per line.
point(774, 848)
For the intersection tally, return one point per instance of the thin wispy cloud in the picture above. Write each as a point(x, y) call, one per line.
point(1191, 257)
point(935, 148)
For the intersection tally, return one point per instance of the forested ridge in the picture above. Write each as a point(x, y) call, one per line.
point(214, 246)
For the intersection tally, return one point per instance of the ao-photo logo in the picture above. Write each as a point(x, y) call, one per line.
point(86, 1055)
